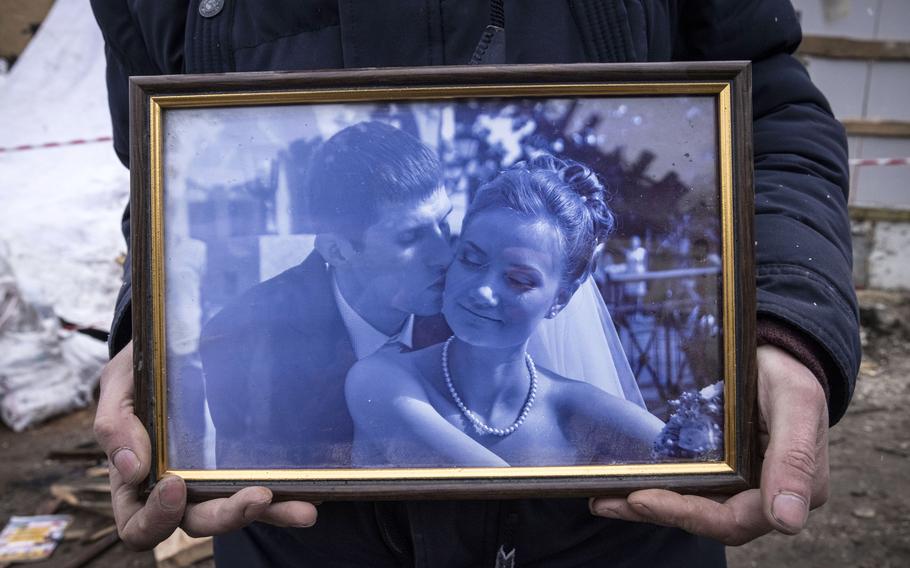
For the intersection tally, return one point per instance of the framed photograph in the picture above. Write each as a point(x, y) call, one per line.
point(459, 282)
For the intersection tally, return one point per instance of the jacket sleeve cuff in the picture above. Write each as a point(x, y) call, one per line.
point(770, 331)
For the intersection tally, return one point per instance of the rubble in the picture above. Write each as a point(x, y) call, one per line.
point(884, 313)
point(83, 498)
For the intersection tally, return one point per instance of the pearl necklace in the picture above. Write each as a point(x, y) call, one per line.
point(472, 418)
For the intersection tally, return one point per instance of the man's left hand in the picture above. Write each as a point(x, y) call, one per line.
point(794, 477)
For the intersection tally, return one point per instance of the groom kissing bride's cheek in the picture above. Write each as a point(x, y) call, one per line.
point(279, 358)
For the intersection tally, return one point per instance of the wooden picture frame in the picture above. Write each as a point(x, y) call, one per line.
point(214, 161)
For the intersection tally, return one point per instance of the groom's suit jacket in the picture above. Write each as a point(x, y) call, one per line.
point(275, 362)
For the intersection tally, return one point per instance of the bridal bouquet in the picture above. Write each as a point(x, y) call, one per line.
point(695, 428)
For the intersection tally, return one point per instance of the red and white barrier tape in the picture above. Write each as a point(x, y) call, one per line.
point(880, 162)
point(76, 142)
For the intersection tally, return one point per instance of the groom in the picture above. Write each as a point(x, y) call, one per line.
point(276, 358)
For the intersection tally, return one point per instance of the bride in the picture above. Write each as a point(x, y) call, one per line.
point(479, 398)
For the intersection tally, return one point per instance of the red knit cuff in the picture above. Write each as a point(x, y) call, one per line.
point(770, 331)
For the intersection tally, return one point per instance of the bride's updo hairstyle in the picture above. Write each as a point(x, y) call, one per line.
point(565, 193)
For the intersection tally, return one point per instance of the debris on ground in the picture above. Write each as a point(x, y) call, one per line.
point(81, 495)
point(83, 498)
point(26, 539)
point(181, 550)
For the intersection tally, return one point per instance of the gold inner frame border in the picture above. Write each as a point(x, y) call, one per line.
point(720, 89)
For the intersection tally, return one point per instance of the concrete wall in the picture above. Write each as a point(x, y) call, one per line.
point(869, 90)
point(881, 240)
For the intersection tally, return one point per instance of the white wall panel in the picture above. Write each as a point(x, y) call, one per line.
point(882, 186)
point(889, 91)
point(859, 21)
point(894, 20)
point(842, 82)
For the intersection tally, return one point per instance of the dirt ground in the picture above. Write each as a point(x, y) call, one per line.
point(866, 523)
point(26, 475)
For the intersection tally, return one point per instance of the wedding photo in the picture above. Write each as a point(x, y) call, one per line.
point(470, 283)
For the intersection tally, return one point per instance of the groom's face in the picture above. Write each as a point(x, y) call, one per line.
point(403, 256)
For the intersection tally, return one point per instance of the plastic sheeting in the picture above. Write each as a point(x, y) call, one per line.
point(45, 370)
point(60, 207)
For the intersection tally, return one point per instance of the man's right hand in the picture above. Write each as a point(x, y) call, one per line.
point(142, 525)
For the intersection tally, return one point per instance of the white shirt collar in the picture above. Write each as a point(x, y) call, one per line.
point(366, 338)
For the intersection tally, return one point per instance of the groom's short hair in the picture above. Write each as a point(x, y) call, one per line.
point(361, 168)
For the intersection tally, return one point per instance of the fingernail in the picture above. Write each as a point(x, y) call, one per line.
point(127, 464)
point(304, 524)
point(790, 510)
point(170, 495)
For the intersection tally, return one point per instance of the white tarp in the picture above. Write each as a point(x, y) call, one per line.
point(59, 214)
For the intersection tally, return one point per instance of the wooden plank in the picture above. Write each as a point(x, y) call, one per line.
point(848, 48)
point(101, 533)
point(98, 471)
point(879, 214)
point(882, 128)
point(78, 498)
point(181, 550)
point(87, 485)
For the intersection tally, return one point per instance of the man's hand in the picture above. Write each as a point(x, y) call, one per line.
point(794, 478)
point(143, 525)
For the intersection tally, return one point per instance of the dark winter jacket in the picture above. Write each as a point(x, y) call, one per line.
point(802, 235)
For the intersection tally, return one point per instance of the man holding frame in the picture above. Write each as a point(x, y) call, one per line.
point(817, 345)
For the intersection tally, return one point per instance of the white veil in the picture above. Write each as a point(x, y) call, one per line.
point(581, 343)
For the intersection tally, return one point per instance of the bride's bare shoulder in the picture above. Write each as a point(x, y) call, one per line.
point(574, 394)
point(564, 387)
